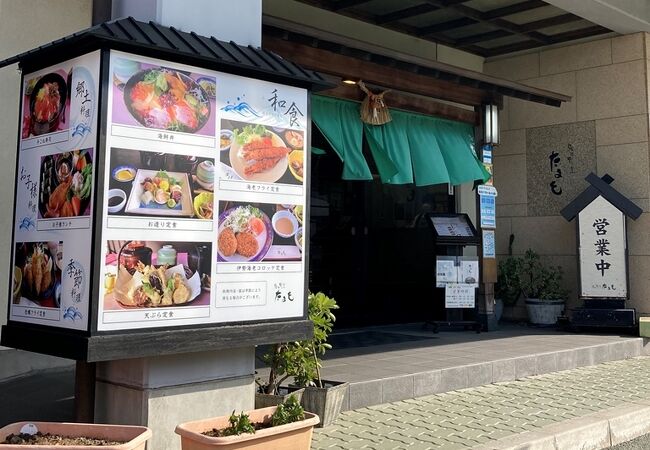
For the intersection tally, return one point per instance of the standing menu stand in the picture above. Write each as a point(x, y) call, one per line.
point(455, 273)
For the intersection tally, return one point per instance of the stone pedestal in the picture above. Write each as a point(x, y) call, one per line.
point(161, 392)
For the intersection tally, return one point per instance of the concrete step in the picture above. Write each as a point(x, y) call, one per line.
point(366, 389)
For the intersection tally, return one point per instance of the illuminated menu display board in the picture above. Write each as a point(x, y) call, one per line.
point(204, 206)
point(192, 212)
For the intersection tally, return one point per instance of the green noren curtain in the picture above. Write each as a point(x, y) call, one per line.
point(339, 122)
point(410, 148)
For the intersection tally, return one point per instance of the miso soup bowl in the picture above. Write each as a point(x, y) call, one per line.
point(292, 219)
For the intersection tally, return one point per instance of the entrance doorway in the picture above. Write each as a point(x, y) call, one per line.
point(371, 248)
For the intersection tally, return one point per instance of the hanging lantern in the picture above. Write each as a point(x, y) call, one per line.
point(490, 124)
point(373, 108)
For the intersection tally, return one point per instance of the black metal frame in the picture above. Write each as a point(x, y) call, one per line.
point(454, 240)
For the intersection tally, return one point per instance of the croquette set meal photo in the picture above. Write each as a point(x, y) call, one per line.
point(259, 232)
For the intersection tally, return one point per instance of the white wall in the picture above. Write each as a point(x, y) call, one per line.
point(24, 24)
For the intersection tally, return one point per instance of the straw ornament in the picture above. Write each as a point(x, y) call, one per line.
point(373, 108)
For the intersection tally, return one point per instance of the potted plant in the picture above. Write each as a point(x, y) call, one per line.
point(541, 285)
point(51, 435)
point(323, 397)
point(284, 426)
point(507, 289)
point(285, 360)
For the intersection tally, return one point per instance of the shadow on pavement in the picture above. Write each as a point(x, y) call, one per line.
point(44, 396)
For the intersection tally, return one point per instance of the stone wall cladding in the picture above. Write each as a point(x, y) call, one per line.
point(608, 80)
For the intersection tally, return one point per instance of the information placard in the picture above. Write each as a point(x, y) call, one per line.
point(460, 295)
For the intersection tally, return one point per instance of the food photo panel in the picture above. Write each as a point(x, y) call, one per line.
point(160, 185)
point(162, 98)
point(37, 274)
point(157, 274)
point(260, 153)
point(65, 184)
point(249, 232)
point(46, 104)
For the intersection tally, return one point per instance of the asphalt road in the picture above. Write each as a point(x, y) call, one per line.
point(45, 396)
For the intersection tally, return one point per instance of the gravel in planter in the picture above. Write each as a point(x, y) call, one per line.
point(55, 439)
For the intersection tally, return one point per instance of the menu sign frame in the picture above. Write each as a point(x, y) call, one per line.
point(257, 292)
point(264, 284)
point(54, 196)
point(453, 229)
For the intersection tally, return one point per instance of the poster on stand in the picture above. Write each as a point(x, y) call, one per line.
point(201, 163)
point(460, 295)
point(54, 192)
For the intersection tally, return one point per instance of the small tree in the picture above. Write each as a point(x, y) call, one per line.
point(539, 281)
point(320, 313)
point(301, 359)
point(508, 286)
point(288, 359)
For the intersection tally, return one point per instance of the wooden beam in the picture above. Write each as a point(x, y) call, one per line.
point(494, 20)
point(378, 74)
point(483, 37)
point(444, 26)
point(556, 39)
point(513, 9)
point(579, 34)
point(278, 39)
point(551, 22)
point(344, 4)
point(405, 13)
point(398, 100)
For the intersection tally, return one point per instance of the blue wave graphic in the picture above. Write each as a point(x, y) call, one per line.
point(81, 129)
point(27, 223)
point(243, 109)
point(72, 313)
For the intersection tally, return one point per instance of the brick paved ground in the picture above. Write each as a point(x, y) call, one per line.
point(471, 417)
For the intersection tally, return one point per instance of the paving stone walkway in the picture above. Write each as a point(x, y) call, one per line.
point(472, 417)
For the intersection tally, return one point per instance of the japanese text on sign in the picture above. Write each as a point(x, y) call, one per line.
point(556, 166)
point(602, 251)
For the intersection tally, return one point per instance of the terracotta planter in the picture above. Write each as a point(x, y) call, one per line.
point(266, 400)
point(544, 312)
point(325, 401)
point(295, 436)
point(135, 437)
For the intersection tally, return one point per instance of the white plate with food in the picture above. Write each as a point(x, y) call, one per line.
point(258, 154)
point(244, 234)
point(160, 193)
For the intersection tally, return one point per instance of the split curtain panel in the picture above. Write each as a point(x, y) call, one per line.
point(412, 148)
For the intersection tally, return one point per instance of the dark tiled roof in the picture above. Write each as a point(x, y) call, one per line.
point(165, 42)
point(600, 186)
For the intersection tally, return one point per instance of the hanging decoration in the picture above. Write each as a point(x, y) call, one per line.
point(373, 108)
